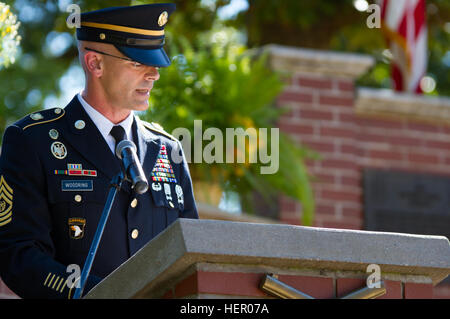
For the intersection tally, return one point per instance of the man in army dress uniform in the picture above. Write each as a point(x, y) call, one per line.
point(56, 165)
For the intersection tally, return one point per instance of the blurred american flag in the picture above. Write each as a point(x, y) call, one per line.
point(404, 25)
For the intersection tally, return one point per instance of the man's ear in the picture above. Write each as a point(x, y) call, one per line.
point(94, 63)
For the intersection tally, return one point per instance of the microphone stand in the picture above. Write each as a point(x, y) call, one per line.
point(115, 186)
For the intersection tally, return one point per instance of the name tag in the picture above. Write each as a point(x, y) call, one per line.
point(69, 186)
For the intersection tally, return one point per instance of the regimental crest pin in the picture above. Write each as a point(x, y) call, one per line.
point(58, 150)
point(76, 227)
point(6, 202)
point(53, 134)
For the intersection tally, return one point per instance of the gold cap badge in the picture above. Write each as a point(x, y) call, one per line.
point(163, 17)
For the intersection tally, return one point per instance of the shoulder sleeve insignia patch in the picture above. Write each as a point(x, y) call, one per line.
point(6, 202)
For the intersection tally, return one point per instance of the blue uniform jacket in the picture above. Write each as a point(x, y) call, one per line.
point(55, 173)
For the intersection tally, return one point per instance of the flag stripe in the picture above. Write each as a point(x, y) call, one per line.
point(404, 25)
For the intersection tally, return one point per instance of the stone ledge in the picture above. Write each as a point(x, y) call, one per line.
point(387, 103)
point(207, 211)
point(326, 63)
point(188, 242)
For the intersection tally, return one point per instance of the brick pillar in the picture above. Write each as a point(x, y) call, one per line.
point(320, 97)
point(353, 129)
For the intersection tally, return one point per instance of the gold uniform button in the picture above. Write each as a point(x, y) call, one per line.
point(78, 198)
point(134, 203)
point(171, 205)
point(135, 233)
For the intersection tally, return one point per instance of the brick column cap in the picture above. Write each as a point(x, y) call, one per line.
point(386, 102)
point(188, 242)
point(323, 63)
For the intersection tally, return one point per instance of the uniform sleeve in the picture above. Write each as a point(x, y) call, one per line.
point(27, 264)
point(190, 208)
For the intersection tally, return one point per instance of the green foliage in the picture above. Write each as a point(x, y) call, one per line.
point(9, 38)
point(226, 88)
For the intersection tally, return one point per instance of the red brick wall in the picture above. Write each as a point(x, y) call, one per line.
point(322, 116)
point(225, 284)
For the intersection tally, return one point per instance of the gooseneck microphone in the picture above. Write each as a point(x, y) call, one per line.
point(126, 152)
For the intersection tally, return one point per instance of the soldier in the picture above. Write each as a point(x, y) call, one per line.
point(56, 165)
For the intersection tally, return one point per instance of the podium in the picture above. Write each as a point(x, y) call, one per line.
point(224, 259)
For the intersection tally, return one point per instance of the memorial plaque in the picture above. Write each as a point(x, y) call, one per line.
point(406, 202)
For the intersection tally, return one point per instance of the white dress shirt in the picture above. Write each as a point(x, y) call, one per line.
point(104, 125)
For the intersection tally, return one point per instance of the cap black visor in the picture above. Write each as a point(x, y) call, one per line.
point(154, 57)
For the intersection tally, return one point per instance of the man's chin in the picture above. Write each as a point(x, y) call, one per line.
point(141, 105)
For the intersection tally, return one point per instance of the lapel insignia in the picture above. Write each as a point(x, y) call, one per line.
point(163, 171)
point(179, 192)
point(80, 124)
point(6, 202)
point(76, 170)
point(58, 150)
point(76, 227)
point(156, 187)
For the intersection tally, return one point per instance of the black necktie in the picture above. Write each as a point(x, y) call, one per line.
point(119, 135)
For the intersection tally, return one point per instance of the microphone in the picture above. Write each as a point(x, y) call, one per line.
point(126, 151)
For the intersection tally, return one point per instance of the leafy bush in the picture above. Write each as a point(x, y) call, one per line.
point(223, 85)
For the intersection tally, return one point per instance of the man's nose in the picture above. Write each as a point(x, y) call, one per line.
point(152, 74)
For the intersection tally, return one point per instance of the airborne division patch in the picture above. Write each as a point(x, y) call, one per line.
point(6, 202)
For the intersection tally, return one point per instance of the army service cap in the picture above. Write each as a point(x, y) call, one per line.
point(136, 31)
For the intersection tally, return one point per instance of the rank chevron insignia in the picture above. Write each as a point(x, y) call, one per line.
point(6, 201)
point(162, 171)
